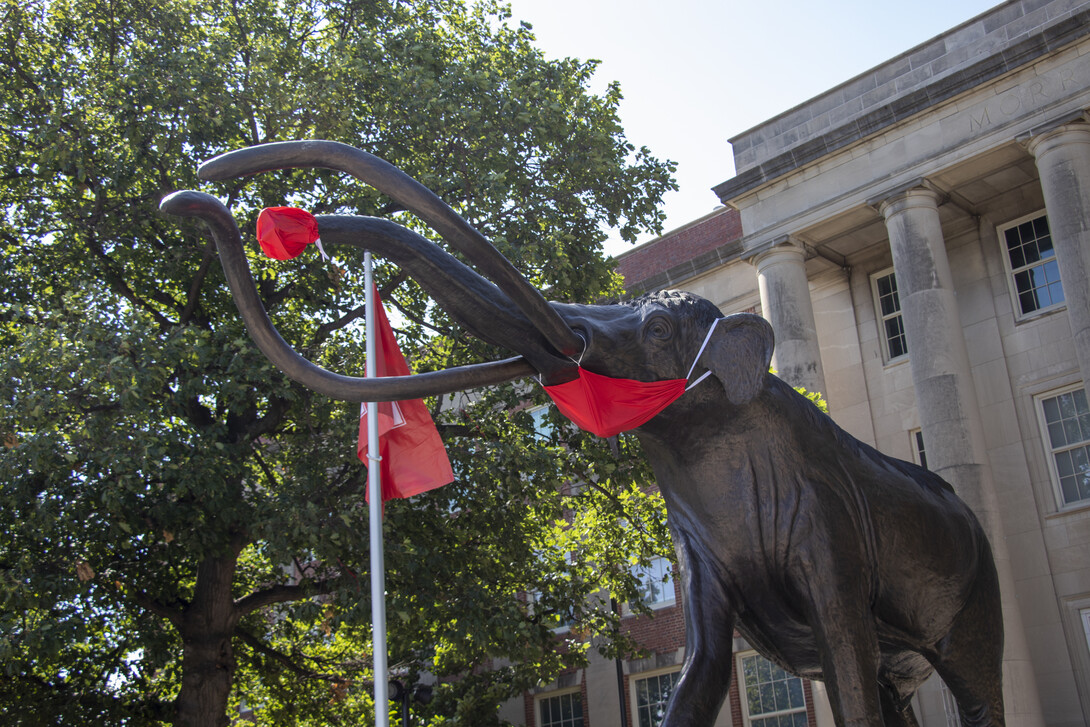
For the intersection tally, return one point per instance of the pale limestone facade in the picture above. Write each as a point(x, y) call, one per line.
point(909, 180)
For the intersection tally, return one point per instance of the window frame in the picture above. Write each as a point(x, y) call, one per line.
point(918, 447)
point(1050, 453)
point(670, 595)
point(881, 318)
point(635, 679)
point(1011, 271)
point(577, 697)
point(747, 718)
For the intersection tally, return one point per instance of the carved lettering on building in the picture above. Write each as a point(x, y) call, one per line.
point(1021, 99)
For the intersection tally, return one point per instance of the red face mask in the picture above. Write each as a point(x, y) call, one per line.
point(606, 406)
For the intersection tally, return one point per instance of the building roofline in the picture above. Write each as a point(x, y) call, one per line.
point(1014, 56)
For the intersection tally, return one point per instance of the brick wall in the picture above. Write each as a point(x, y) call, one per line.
point(661, 631)
point(681, 246)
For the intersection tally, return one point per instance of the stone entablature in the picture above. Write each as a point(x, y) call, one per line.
point(998, 113)
point(975, 52)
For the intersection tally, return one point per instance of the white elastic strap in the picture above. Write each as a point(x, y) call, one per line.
point(318, 242)
point(579, 361)
point(701, 353)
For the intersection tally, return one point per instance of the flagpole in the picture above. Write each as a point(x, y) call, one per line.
point(374, 493)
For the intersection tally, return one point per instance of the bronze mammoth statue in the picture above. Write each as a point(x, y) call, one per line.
point(833, 560)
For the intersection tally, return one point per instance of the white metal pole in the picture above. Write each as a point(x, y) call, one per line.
point(374, 493)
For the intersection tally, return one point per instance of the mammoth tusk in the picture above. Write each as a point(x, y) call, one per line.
point(347, 388)
point(414, 197)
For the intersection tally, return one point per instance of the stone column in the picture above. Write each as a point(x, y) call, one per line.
point(1063, 160)
point(785, 302)
point(949, 414)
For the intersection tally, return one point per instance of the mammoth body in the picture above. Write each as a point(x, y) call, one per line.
point(833, 560)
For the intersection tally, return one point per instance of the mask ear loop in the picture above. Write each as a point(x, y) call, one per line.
point(700, 353)
point(578, 362)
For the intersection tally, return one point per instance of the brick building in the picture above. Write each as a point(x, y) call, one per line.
point(919, 239)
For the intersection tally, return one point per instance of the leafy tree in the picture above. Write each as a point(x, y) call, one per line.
point(184, 534)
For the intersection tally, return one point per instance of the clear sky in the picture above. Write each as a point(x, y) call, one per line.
point(696, 72)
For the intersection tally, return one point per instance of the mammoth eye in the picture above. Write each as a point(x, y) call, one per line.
point(660, 328)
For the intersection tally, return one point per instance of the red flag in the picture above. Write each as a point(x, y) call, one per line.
point(413, 457)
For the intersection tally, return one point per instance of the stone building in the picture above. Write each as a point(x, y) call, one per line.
point(919, 238)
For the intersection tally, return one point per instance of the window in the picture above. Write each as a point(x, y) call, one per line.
point(542, 426)
point(655, 585)
point(562, 710)
point(652, 695)
point(1065, 418)
point(949, 706)
point(771, 696)
point(1035, 274)
point(918, 452)
point(889, 314)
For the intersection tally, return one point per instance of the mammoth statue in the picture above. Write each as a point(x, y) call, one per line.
point(833, 560)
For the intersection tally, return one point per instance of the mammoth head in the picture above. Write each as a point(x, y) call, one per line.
point(673, 334)
point(645, 339)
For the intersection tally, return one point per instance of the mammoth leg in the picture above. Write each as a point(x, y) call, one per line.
point(838, 609)
point(970, 658)
point(896, 711)
point(709, 642)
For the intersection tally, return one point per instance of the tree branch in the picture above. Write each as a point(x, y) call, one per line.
point(279, 657)
point(142, 599)
point(193, 297)
point(283, 594)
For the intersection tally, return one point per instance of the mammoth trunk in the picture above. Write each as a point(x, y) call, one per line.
point(475, 303)
point(208, 659)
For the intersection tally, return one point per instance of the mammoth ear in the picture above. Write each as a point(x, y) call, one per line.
point(739, 353)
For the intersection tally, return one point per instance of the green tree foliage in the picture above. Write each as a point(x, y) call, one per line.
point(184, 530)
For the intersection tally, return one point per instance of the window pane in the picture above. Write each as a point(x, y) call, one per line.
point(1012, 238)
point(1017, 258)
point(1031, 252)
point(768, 698)
point(753, 699)
point(1056, 293)
point(1067, 420)
point(1063, 464)
point(1040, 227)
point(1079, 460)
point(794, 686)
point(1071, 430)
point(565, 710)
point(783, 701)
point(1028, 302)
point(1025, 231)
point(1052, 410)
point(773, 696)
point(655, 691)
point(1067, 405)
point(1033, 264)
point(1070, 489)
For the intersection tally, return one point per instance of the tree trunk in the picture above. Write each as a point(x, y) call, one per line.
point(208, 659)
